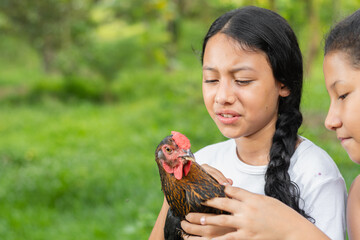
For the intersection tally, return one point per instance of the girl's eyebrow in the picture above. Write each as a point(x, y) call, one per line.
point(206, 68)
point(332, 86)
point(237, 69)
point(244, 68)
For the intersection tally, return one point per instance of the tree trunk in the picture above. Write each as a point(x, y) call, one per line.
point(272, 6)
point(48, 57)
point(336, 4)
point(173, 28)
point(314, 41)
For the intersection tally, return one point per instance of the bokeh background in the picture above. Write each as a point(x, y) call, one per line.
point(88, 88)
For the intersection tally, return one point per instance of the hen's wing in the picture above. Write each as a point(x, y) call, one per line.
point(202, 186)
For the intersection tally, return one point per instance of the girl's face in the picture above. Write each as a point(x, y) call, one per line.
point(239, 89)
point(343, 84)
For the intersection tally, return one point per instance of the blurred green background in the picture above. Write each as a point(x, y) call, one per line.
point(88, 88)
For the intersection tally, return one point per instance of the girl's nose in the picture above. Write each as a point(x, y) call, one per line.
point(333, 121)
point(225, 93)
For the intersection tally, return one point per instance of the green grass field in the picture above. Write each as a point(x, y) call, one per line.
point(84, 170)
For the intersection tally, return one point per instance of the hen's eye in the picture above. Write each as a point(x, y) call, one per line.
point(169, 150)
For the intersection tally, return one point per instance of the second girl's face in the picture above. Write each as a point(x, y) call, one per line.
point(239, 89)
point(343, 84)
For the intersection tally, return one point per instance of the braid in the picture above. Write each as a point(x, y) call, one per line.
point(277, 179)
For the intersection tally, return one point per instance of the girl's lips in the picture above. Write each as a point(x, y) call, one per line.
point(227, 117)
point(343, 139)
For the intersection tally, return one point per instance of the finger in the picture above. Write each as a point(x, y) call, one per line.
point(191, 228)
point(230, 181)
point(208, 231)
point(195, 218)
point(228, 221)
point(188, 237)
point(216, 174)
point(225, 204)
point(231, 235)
point(237, 193)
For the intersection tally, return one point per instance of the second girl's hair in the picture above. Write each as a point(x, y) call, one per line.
point(345, 37)
point(258, 29)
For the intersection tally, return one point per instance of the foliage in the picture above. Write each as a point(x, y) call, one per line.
point(87, 170)
point(47, 25)
point(74, 165)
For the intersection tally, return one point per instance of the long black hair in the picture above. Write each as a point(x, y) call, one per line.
point(345, 37)
point(263, 30)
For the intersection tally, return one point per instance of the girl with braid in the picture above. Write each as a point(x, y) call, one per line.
point(266, 218)
point(252, 84)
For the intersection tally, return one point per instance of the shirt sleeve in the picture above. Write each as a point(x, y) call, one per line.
point(326, 203)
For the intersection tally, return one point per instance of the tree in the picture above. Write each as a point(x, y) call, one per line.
point(166, 12)
point(48, 25)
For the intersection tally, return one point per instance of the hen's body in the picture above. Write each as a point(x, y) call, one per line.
point(185, 195)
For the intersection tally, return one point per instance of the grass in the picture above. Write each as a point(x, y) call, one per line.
point(84, 170)
point(76, 172)
point(87, 170)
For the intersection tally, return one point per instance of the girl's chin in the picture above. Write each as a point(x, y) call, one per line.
point(355, 159)
point(354, 155)
point(230, 133)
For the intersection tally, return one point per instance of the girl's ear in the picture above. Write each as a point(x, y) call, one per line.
point(284, 91)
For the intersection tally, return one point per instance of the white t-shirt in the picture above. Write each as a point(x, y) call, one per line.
point(322, 188)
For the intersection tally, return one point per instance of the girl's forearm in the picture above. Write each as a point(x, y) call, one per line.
point(157, 232)
point(304, 229)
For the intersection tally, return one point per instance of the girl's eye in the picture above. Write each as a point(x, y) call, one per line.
point(211, 81)
point(342, 97)
point(243, 82)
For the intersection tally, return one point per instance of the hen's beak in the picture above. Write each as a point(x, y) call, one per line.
point(188, 155)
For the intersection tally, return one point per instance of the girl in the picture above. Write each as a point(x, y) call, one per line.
point(342, 79)
point(273, 219)
point(252, 82)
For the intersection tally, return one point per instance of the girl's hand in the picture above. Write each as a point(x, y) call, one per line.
point(255, 216)
point(194, 226)
point(217, 175)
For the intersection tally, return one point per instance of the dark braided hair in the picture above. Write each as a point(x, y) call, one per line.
point(263, 30)
point(345, 37)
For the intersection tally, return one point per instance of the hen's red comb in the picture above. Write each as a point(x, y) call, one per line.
point(181, 140)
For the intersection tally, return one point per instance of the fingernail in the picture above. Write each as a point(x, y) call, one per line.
point(204, 203)
point(202, 220)
point(225, 183)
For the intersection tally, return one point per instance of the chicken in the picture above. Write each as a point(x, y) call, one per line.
point(184, 182)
